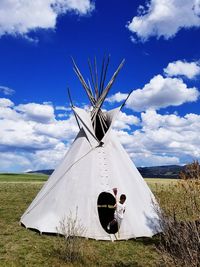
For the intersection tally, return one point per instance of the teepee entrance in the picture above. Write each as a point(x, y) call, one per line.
point(105, 204)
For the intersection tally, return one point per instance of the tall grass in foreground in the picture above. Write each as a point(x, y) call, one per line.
point(72, 249)
point(180, 222)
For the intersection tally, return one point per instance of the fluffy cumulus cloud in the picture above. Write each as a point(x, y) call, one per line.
point(5, 102)
point(165, 18)
point(136, 144)
point(22, 16)
point(183, 68)
point(163, 139)
point(171, 134)
point(31, 137)
point(160, 92)
point(36, 112)
point(125, 121)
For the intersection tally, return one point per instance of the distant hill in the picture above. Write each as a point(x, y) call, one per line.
point(47, 172)
point(170, 171)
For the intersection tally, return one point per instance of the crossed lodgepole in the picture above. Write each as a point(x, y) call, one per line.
point(98, 94)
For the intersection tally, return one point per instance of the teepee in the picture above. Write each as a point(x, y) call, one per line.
point(82, 185)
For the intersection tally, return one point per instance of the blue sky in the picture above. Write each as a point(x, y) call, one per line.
point(160, 43)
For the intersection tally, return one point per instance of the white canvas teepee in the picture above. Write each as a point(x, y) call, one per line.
point(89, 171)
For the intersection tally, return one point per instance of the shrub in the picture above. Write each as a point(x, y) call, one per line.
point(191, 171)
point(179, 243)
point(70, 248)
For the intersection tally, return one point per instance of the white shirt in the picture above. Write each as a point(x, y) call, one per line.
point(119, 211)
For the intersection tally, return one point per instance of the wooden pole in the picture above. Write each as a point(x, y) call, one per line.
point(104, 76)
point(96, 78)
point(100, 92)
point(126, 99)
point(89, 86)
point(80, 76)
point(101, 77)
point(91, 73)
point(106, 90)
point(72, 105)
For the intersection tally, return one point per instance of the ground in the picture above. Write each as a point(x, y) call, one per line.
point(22, 247)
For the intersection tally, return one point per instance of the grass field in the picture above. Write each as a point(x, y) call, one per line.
point(21, 247)
point(16, 178)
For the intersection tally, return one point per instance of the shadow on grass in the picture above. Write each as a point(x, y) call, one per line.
point(148, 241)
point(122, 264)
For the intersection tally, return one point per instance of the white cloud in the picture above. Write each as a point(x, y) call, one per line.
point(31, 137)
point(6, 90)
point(49, 158)
point(36, 112)
point(188, 69)
point(9, 113)
point(165, 18)
point(79, 6)
point(21, 161)
point(13, 162)
point(22, 16)
point(163, 139)
point(136, 144)
point(21, 135)
point(162, 92)
point(124, 121)
point(5, 102)
point(118, 97)
point(171, 133)
point(58, 129)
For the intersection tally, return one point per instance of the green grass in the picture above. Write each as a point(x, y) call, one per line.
point(22, 247)
point(25, 177)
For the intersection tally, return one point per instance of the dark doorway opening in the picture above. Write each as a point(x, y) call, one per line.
point(99, 132)
point(106, 210)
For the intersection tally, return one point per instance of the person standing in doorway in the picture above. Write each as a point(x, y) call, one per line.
point(120, 208)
